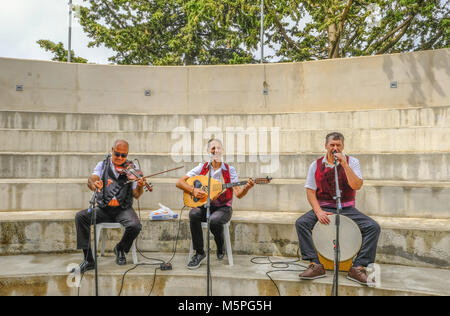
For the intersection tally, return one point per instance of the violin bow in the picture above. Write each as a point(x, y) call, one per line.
point(155, 174)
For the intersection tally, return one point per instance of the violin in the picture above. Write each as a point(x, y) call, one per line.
point(133, 174)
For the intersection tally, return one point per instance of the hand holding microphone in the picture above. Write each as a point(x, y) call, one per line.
point(338, 157)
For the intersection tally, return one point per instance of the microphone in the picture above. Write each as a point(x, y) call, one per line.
point(334, 152)
point(94, 195)
point(211, 156)
point(217, 156)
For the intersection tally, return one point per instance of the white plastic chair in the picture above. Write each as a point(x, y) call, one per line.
point(99, 228)
point(227, 239)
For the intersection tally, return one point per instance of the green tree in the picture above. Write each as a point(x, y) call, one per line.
point(177, 32)
point(344, 28)
point(171, 32)
point(59, 52)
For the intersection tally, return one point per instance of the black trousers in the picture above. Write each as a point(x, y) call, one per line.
point(126, 217)
point(218, 216)
point(370, 231)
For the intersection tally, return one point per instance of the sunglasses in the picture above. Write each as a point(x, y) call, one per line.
point(120, 155)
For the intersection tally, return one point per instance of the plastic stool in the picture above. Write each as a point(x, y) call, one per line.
point(99, 228)
point(227, 239)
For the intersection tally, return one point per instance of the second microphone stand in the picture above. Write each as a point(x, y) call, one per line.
point(337, 250)
point(208, 213)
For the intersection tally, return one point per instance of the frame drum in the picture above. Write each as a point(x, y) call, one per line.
point(350, 238)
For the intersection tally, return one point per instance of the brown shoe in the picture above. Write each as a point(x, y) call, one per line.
point(314, 271)
point(358, 274)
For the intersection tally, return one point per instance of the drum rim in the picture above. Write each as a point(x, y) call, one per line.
point(332, 219)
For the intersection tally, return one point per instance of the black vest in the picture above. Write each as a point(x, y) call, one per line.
point(118, 188)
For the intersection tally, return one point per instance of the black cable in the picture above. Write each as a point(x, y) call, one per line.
point(140, 219)
point(153, 284)
point(176, 239)
point(160, 261)
point(174, 249)
point(140, 252)
point(178, 234)
point(285, 265)
point(135, 266)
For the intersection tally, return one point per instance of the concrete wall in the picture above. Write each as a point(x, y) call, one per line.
point(343, 84)
point(414, 242)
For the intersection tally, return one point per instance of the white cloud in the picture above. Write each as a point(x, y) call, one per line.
point(23, 22)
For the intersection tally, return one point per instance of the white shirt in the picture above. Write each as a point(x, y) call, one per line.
point(215, 174)
point(98, 171)
point(311, 178)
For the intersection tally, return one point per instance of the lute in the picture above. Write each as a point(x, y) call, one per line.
point(217, 188)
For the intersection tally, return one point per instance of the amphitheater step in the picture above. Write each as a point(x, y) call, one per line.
point(377, 166)
point(46, 275)
point(407, 241)
point(414, 139)
point(383, 118)
point(382, 198)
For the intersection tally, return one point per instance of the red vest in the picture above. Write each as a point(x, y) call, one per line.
point(226, 197)
point(326, 185)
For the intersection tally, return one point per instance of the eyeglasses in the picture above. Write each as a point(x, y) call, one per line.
point(120, 155)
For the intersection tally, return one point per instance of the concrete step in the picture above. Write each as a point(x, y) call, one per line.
point(261, 142)
point(377, 166)
point(408, 241)
point(46, 275)
point(243, 279)
point(365, 119)
point(382, 198)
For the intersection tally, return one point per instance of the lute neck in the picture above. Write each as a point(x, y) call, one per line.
point(233, 184)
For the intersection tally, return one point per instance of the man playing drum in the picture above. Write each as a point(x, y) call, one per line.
point(321, 190)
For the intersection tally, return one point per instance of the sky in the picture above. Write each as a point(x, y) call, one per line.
point(23, 22)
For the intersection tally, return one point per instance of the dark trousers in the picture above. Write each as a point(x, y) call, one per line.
point(218, 216)
point(127, 218)
point(370, 231)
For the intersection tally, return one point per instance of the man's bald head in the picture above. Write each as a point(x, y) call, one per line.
point(121, 142)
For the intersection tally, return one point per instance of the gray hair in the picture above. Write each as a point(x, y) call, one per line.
point(214, 139)
point(334, 136)
point(120, 141)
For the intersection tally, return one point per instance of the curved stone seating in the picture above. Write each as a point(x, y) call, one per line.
point(55, 131)
point(378, 198)
point(409, 241)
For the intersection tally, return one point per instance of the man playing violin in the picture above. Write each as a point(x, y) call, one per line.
point(114, 201)
point(220, 210)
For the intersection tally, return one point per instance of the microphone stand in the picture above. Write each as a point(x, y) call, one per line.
point(93, 208)
point(208, 213)
point(337, 250)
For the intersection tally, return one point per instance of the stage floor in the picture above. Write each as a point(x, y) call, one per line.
point(46, 274)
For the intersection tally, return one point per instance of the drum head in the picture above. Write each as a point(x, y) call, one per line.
point(350, 238)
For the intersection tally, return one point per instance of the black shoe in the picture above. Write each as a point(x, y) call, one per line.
point(120, 256)
point(196, 261)
point(85, 266)
point(220, 251)
point(220, 254)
